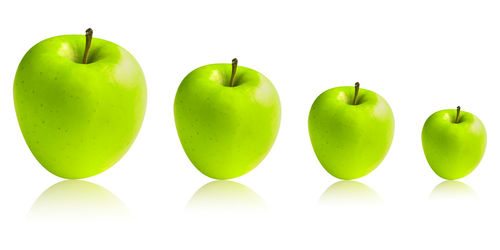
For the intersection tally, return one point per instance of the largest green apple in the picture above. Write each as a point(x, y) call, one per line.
point(227, 118)
point(80, 103)
point(351, 131)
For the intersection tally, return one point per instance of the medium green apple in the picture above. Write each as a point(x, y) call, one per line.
point(80, 103)
point(351, 131)
point(227, 118)
point(454, 142)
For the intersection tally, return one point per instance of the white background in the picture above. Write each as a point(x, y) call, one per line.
point(422, 56)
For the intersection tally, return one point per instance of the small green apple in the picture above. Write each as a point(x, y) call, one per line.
point(79, 109)
point(454, 142)
point(351, 131)
point(227, 118)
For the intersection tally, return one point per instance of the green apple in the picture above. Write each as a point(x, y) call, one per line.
point(80, 103)
point(454, 142)
point(351, 131)
point(227, 118)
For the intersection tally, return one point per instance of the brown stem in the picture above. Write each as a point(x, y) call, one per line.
point(356, 92)
point(233, 74)
point(458, 114)
point(88, 41)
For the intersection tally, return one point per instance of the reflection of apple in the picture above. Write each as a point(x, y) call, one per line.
point(227, 118)
point(349, 193)
point(452, 190)
point(454, 142)
point(351, 131)
point(71, 200)
point(78, 118)
point(225, 196)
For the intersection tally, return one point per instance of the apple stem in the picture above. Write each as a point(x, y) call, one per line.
point(356, 92)
point(233, 74)
point(458, 114)
point(88, 41)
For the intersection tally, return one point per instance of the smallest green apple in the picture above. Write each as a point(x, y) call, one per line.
point(454, 142)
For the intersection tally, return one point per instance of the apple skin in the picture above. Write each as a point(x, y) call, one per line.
point(453, 150)
point(226, 131)
point(79, 119)
point(349, 140)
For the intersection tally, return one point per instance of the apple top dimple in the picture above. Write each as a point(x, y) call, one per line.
point(346, 95)
point(221, 74)
point(466, 119)
point(450, 116)
point(71, 47)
